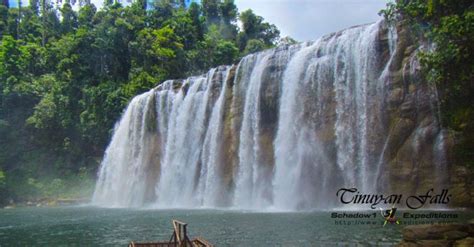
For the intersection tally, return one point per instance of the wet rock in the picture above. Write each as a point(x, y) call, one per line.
point(401, 130)
point(438, 235)
point(430, 232)
point(455, 235)
point(407, 109)
point(426, 243)
point(395, 97)
point(467, 242)
point(433, 243)
point(407, 244)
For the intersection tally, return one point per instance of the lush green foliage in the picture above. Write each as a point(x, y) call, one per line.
point(449, 64)
point(65, 77)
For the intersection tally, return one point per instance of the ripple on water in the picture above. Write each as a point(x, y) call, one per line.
point(87, 226)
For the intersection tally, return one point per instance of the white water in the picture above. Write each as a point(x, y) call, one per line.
point(210, 184)
point(131, 152)
point(249, 180)
point(301, 122)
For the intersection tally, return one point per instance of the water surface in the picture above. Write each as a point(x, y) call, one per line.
point(88, 226)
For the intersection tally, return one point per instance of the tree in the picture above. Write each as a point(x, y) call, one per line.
point(162, 10)
point(34, 6)
point(228, 11)
point(10, 65)
point(50, 24)
point(250, 23)
point(226, 53)
point(69, 18)
point(86, 15)
point(113, 33)
point(210, 8)
point(3, 19)
point(254, 45)
point(195, 13)
point(156, 52)
point(183, 26)
point(254, 28)
point(30, 26)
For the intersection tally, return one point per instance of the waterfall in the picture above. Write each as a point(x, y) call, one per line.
point(249, 180)
point(189, 130)
point(210, 183)
point(283, 129)
point(296, 149)
point(130, 155)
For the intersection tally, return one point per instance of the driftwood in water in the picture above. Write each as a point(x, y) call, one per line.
point(178, 239)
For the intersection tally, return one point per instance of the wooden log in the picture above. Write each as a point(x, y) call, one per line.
point(179, 238)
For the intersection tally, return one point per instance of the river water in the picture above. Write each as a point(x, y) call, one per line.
point(88, 226)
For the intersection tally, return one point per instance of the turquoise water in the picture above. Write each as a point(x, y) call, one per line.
point(87, 226)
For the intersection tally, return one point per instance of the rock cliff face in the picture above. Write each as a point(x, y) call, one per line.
point(285, 129)
point(442, 235)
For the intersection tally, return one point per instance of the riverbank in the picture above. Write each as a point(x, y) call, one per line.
point(48, 202)
point(49, 191)
point(441, 235)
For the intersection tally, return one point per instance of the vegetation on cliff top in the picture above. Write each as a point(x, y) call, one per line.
point(66, 75)
point(447, 25)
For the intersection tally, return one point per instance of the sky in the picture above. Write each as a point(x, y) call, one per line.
point(307, 19)
point(310, 19)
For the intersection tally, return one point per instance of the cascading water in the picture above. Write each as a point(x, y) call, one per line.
point(131, 152)
point(250, 178)
point(283, 130)
point(210, 184)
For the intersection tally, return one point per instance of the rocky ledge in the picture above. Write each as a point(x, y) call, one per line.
point(438, 235)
